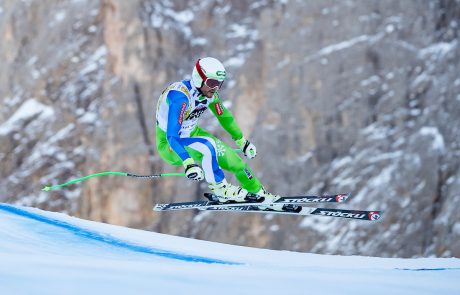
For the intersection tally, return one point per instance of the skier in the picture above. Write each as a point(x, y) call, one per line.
point(180, 141)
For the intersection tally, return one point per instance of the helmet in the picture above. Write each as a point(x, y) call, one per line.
point(207, 67)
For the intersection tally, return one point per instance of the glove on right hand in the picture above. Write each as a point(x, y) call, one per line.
point(192, 170)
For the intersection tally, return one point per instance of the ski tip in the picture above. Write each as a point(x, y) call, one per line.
point(342, 197)
point(375, 215)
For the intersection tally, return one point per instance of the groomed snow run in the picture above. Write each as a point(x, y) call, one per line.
point(51, 253)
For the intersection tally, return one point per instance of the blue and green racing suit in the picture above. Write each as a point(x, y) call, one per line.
point(178, 136)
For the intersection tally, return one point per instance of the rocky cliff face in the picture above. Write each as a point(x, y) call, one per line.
point(359, 96)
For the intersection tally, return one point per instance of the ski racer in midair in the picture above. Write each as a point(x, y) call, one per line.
point(180, 141)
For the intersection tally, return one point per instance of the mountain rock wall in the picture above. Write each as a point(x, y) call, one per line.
point(338, 96)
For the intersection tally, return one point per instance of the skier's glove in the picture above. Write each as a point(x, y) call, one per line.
point(192, 170)
point(249, 150)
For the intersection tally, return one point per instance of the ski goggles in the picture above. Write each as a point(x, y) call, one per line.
point(211, 83)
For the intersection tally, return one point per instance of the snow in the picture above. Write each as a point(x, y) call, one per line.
point(257, 4)
point(12, 101)
point(183, 17)
point(60, 16)
point(376, 132)
point(438, 49)
point(281, 64)
point(456, 228)
point(95, 61)
point(222, 9)
point(32, 60)
point(438, 140)
point(304, 158)
point(342, 46)
point(198, 41)
point(240, 31)
point(164, 17)
point(26, 112)
point(92, 29)
point(50, 147)
point(51, 253)
point(88, 118)
point(317, 223)
point(371, 80)
point(390, 76)
point(234, 62)
point(274, 227)
point(386, 156)
point(390, 28)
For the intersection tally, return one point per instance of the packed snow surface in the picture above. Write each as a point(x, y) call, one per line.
point(51, 253)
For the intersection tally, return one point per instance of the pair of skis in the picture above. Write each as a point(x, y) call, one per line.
point(294, 205)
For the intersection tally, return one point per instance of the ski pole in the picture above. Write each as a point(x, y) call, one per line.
point(53, 187)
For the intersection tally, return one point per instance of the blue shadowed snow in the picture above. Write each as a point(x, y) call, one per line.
point(107, 239)
point(428, 269)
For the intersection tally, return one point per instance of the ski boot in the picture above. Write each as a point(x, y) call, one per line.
point(269, 199)
point(226, 192)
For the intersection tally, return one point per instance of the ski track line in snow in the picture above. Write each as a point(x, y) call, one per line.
point(428, 269)
point(111, 240)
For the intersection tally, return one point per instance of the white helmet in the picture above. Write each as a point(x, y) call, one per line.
point(208, 68)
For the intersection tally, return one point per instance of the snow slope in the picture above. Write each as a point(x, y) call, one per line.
point(51, 253)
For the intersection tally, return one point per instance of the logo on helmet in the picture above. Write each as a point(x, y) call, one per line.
point(221, 74)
